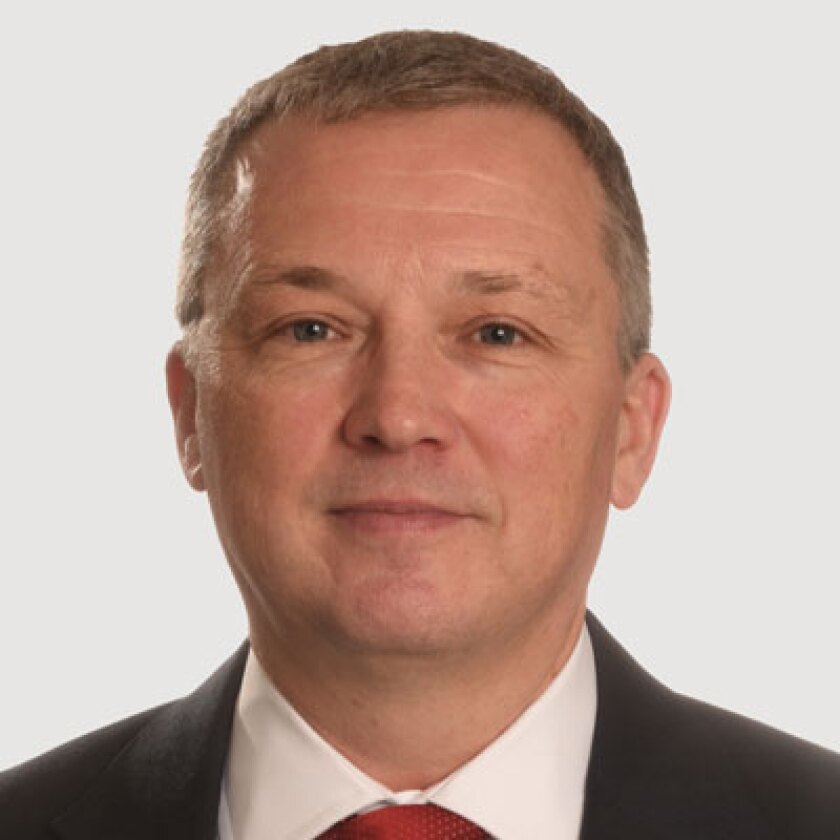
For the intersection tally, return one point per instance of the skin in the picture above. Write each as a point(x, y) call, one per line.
point(415, 311)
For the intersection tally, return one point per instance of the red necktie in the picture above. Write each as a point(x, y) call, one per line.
point(406, 822)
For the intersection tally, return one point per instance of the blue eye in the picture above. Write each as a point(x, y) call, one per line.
point(499, 334)
point(310, 330)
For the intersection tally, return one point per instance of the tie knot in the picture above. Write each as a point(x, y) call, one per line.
point(406, 822)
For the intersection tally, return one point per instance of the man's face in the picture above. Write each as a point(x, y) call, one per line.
point(410, 408)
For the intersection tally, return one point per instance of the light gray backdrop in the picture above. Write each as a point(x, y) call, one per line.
point(113, 591)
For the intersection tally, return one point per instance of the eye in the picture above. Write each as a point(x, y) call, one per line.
point(499, 334)
point(308, 330)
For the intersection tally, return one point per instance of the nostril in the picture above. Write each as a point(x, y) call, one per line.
point(398, 423)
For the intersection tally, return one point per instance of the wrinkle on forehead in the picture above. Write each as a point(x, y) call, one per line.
point(297, 145)
point(304, 166)
point(443, 210)
point(485, 178)
point(299, 150)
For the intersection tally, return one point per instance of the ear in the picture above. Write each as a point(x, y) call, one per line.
point(181, 388)
point(647, 395)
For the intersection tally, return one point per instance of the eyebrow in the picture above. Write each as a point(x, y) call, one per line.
point(495, 283)
point(469, 282)
point(310, 277)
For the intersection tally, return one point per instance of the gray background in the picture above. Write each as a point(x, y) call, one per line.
point(723, 580)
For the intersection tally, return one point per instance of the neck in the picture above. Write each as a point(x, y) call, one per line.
point(371, 707)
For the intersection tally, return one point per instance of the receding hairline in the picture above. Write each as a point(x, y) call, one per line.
point(220, 179)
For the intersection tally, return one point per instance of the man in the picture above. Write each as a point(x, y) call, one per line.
point(414, 376)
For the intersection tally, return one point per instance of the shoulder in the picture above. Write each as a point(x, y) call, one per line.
point(156, 774)
point(673, 766)
point(32, 793)
point(794, 782)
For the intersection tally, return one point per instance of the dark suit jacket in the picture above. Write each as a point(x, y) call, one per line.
point(662, 767)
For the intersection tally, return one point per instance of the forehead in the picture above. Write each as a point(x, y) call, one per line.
point(504, 137)
point(454, 187)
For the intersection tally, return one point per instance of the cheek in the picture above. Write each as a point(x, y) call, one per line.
point(521, 435)
point(264, 438)
point(550, 458)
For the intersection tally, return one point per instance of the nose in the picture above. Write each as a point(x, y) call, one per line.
point(401, 400)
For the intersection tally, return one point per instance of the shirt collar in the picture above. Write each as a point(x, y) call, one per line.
point(284, 782)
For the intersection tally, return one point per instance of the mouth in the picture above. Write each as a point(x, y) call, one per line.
point(383, 516)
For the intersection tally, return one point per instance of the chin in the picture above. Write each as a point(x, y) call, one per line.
point(402, 618)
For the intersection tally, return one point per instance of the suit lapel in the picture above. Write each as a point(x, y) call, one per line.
point(165, 783)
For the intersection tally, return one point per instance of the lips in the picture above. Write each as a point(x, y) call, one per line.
point(396, 516)
point(394, 506)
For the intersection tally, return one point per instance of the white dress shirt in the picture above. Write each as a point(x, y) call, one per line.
point(284, 782)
